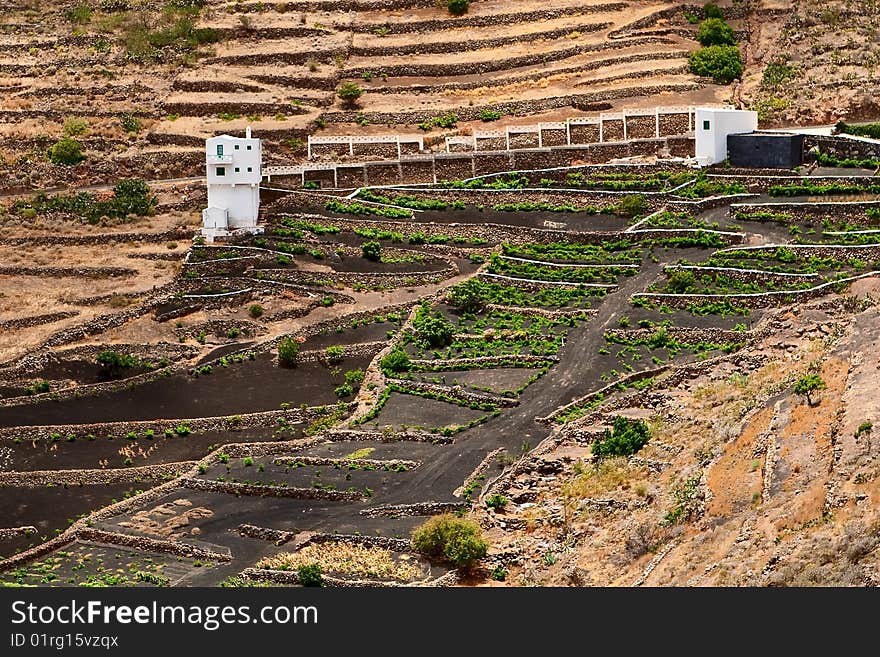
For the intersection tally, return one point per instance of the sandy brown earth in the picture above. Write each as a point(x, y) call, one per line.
point(782, 493)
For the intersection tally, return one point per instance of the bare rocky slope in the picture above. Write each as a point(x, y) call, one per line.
point(742, 483)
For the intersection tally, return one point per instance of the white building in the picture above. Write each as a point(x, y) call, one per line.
point(712, 125)
point(234, 169)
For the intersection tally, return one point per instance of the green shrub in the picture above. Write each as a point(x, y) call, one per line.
point(496, 502)
point(372, 251)
point(79, 14)
point(354, 377)
point(130, 123)
point(458, 7)
point(255, 310)
point(721, 63)
point(871, 130)
point(864, 427)
point(434, 328)
point(467, 296)
point(74, 127)
point(625, 438)
point(631, 206)
point(775, 74)
point(715, 32)
point(113, 362)
point(454, 540)
point(489, 115)
point(395, 361)
point(711, 10)
point(345, 390)
point(335, 353)
point(310, 575)
point(288, 348)
point(349, 92)
point(67, 151)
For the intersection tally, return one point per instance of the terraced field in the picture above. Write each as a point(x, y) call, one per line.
point(140, 89)
point(371, 360)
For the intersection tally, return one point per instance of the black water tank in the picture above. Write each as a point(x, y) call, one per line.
point(770, 150)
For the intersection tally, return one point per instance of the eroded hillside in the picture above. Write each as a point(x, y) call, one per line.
point(742, 483)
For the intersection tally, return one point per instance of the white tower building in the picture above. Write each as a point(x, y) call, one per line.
point(711, 127)
point(234, 169)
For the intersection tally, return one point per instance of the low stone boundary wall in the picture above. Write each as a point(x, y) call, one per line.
point(456, 392)
point(258, 490)
point(683, 334)
point(602, 392)
point(326, 460)
point(743, 275)
point(498, 361)
point(68, 272)
point(182, 234)
point(394, 279)
point(756, 300)
point(42, 478)
point(418, 509)
point(291, 577)
point(36, 320)
point(12, 532)
point(850, 210)
point(276, 536)
point(217, 423)
point(349, 351)
point(150, 544)
point(355, 435)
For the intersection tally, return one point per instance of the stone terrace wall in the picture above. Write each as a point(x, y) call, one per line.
point(842, 147)
point(853, 211)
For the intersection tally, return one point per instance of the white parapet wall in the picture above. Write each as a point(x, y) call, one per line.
point(712, 125)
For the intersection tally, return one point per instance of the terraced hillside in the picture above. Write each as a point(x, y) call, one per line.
point(140, 85)
point(311, 394)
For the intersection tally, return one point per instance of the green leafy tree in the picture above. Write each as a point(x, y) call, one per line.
point(715, 32)
point(458, 7)
point(349, 92)
point(372, 251)
point(468, 297)
point(67, 151)
point(451, 539)
point(721, 63)
point(288, 348)
point(809, 384)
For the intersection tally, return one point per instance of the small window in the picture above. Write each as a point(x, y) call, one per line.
point(221, 171)
point(249, 147)
point(219, 150)
point(237, 147)
point(705, 125)
point(250, 169)
point(237, 169)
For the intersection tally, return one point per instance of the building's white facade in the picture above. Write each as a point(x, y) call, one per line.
point(234, 171)
point(711, 127)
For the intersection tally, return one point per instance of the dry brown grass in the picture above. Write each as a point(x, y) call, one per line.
point(605, 476)
point(347, 559)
